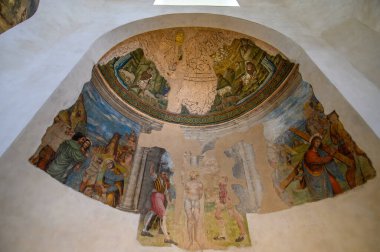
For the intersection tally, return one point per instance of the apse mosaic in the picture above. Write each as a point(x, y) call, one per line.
point(194, 76)
point(139, 78)
point(193, 191)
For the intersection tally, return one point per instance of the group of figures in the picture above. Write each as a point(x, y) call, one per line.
point(177, 74)
point(317, 158)
point(202, 203)
point(77, 150)
point(90, 147)
point(208, 211)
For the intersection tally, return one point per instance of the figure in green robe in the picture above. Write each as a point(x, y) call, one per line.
point(68, 155)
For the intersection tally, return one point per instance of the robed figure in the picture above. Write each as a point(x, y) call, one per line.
point(320, 172)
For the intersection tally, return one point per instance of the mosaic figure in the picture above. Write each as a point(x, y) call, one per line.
point(138, 78)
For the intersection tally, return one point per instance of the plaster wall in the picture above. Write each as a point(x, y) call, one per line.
point(39, 214)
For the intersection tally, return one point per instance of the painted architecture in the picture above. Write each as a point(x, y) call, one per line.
point(149, 81)
point(172, 135)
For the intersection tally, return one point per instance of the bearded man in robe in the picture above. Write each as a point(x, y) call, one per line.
point(69, 154)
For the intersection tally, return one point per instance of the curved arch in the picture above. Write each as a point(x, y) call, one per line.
point(243, 123)
point(81, 73)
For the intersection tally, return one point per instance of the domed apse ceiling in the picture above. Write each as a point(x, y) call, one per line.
point(194, 76)
point(195, 127)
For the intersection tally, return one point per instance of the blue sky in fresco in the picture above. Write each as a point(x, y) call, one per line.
point(102, 120)
point(290, 113)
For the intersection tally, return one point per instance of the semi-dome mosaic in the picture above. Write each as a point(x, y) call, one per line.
point(195, 127)
point(194, 76)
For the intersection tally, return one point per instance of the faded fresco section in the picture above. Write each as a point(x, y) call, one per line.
point(90, 147)
point(193, 186)
point(156, 200)
point(312, 154)
point(199, 203)
point(13, 12)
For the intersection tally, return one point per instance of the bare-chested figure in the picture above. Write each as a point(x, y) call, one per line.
point(225, 203)
point(193, 196)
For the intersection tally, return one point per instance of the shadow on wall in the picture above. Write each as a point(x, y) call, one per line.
point(13, 12)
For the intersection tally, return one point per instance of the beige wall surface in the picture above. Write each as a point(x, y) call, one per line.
point(39, 214)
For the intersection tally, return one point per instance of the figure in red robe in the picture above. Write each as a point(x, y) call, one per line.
point(320, 172)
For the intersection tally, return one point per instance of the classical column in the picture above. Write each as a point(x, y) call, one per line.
point(127, 202)
point(254, 187)
point(140, 178)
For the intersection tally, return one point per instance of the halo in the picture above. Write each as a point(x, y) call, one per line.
point(314, 136)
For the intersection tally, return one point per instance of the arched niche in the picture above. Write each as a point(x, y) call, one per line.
point(81, 73)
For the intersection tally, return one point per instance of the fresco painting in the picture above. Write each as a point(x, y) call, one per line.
point(199, 77)
point(156, 203)
point(225, 223)
point(222, 221)
point(90, 147)
point(202, 207)
point(313, 155)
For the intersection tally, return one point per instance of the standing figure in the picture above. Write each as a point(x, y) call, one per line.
point(249, 79)
point(320, 181)
point(192, 204)
point(143, 82)
point(50, 142)
point(91, 173)
point(113, 183)
point(75, 176)
point(161, 185)
point(225, 203)
point(69, 154)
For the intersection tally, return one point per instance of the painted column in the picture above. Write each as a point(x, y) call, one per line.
point(140, 177)
point(247, 156)
point(127, 202)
